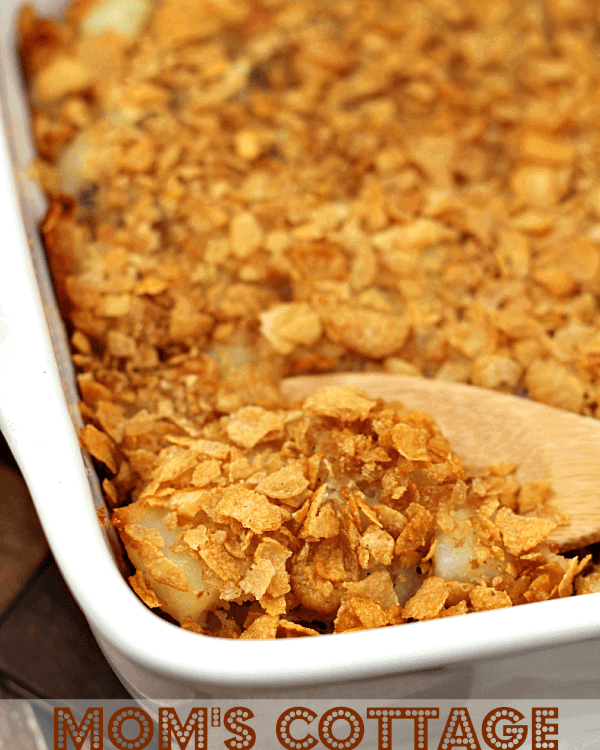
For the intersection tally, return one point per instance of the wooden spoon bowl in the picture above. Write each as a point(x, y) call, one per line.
point(485, 427)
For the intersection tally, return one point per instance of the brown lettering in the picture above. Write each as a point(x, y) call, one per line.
point(169, 724)
point(65, 724)
point(355, 723)
point(459, 731)
point(540, 728)
point(145, 726)
point(385, 716)
point(246, 737)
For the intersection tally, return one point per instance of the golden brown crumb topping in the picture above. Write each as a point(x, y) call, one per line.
point(248, 189)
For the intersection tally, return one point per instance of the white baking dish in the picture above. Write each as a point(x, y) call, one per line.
point(152, 657)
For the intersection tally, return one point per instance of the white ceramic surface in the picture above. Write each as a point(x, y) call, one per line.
point(152, 657)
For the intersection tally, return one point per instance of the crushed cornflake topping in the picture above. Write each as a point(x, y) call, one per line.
point(521, 534)
point(140, 585)
point(338, 402)
point(241, 191)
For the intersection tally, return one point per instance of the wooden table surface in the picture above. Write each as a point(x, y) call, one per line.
point(46, 647)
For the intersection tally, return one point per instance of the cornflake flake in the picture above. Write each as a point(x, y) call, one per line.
point(378, 544)
point(290, 325)
point(251, 509)
point(284, 483)
point(100, 446)
point(251, 424)
point(483, 598)
point(410, 442)
point(221, 562)
point(148, 544)
point(262, 628)
point(287, 629)
point(140, 585)
point(206, 472)
point(429, 600)
point(521, 534)
point(258, 578)
point(377, 586)
point(368, 612)
point(339, 402)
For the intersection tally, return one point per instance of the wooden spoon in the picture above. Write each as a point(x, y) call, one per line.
point(485, 427)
